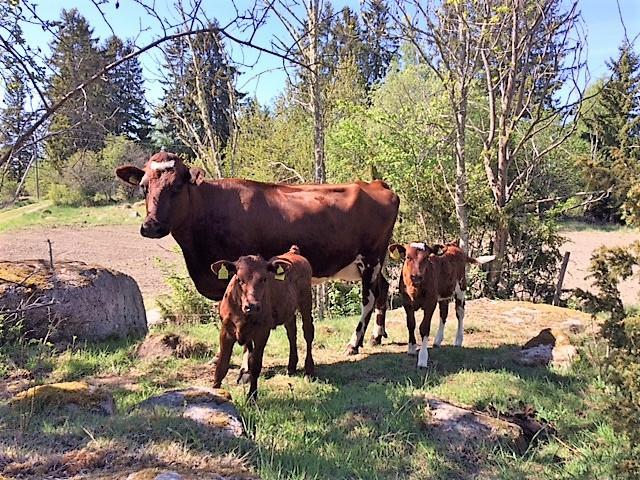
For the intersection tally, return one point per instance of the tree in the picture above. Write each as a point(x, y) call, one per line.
point(200, 98)
point(613, 131)
point(126, 106)
point(380, 46)
point(75, 57)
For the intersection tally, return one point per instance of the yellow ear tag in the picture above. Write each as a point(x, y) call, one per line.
point(280, 273)
point(395, 255)
point(223, 273)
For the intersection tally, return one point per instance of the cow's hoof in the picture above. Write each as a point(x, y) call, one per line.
point(412, 349)
point(291, 372)
point(375, 341)
point(351, 350)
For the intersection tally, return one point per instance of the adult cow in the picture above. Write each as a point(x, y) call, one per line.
point(343, 230)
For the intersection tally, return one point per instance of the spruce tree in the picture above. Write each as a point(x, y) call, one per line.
point(75, 58)
point(380, 46)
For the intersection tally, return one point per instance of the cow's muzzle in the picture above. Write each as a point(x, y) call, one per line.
point(153, 229)
point(251, 308)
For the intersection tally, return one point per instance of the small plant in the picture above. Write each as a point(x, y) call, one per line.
point(184, 303)
point(62, 195)
point(344, 298)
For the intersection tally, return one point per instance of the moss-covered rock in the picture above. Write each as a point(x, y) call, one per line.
point(54, 395)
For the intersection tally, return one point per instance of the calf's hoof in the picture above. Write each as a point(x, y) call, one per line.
point(375, 341)
point(291, 372)
point(351, 350)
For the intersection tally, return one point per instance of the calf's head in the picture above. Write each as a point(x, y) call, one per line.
point(164, 182)
point(416, 256)
point(249, 277)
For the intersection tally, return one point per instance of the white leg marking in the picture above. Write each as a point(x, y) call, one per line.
point(412, 349)
point(440, 334)
point(245, 361)
point(366, 310)
point(379, 330)
point(460, 332)
point(423, 356)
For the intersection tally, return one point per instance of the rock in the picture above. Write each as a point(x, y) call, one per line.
point(53, 395)
point(165, 345)
point(549, 347)
point(462, 428)
point(207, 406)
point(73, 302)
point(154, 317)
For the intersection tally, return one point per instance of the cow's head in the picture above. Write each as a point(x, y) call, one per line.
point(163, 181)
point(249, 280)
point(416, 256)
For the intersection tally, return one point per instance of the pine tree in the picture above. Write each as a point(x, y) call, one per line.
point(614, 131)
point(14, 120)
point(75, 58)
point(126, 105)
point(379, 45)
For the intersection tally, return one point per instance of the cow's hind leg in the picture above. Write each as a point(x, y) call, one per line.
point(292, 335)
point(425, 327)
point(459, 296)
point(381, 292)
point(369, 275)
point(444, 311)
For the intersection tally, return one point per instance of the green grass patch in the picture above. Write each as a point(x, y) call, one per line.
point(360, 419)
point(44, 214)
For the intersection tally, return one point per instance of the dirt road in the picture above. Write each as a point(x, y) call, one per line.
point(122, 248)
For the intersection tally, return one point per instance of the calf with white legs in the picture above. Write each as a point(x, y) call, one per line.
point(432, 275)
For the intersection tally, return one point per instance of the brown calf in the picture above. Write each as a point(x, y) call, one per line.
point(432, 275)
point(260, 296)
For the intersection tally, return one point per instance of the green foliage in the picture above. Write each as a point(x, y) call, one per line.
point(184, 304)
point(344, 298)
point(62, 195)
point(622, 332)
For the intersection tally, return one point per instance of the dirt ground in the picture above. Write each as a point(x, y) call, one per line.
point(582, 244)
point(122, 248)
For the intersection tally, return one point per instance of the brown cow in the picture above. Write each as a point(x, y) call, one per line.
point(432, 275)
point(260, 296)
point(343, 230)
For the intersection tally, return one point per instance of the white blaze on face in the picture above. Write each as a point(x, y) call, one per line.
point(423, 356)
point(418, 245)
point(161, 166)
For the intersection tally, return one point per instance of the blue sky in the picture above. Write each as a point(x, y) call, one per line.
point(265, 79)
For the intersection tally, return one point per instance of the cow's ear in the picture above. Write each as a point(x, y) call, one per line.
point(223, 269)
point(279, 267)
point(196, 175)
point(397, 251)
point(438, 249)
point(130, 174)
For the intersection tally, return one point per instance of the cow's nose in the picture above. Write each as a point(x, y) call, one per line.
point(416, 278)
point(251, 308)
point(153, 229)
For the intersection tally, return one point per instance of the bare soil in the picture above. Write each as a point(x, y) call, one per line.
point(122, 248)
point(582, 244)
point(119, 247)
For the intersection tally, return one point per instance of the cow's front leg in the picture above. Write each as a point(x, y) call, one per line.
point(368, 304)
point(425, 327)
point(243, 374)
point(412, 348)
point(381, 292)
point(227, 341)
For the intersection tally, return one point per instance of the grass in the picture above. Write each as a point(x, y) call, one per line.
point(584, 226)
point(45, 214)
point(361, 418)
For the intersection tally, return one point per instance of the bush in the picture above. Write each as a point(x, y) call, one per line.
point(344, 298)
point(184, 304)
point(62, 195)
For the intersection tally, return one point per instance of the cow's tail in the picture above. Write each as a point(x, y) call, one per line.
point(481, 259)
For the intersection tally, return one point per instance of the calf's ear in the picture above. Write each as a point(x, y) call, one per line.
point(280, 268)
point(397, 251)
point(130, 175)
point(223, 269)
point(438, 249)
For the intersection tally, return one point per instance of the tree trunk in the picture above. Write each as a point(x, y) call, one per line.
point(502, 229)
point(461, 173)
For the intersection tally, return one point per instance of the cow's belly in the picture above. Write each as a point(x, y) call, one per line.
point(350, 273)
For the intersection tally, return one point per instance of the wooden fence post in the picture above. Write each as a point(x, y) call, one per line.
point(563, 270)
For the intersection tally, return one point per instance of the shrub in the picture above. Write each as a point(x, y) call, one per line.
point(344, 298)
point(184, 303)
point(62, 195)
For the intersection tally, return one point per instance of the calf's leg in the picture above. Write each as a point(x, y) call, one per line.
point(224, 356)
point(425, 328)
point(459, 296)
point(444, 311)
point(255, 364)
point(412, 348)
point(292, 335)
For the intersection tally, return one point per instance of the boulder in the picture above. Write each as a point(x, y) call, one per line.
point(165, 345)
point(208, 406)
point(74, 394)
point(71, 302)
point(461, 428)
point(549, 347)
